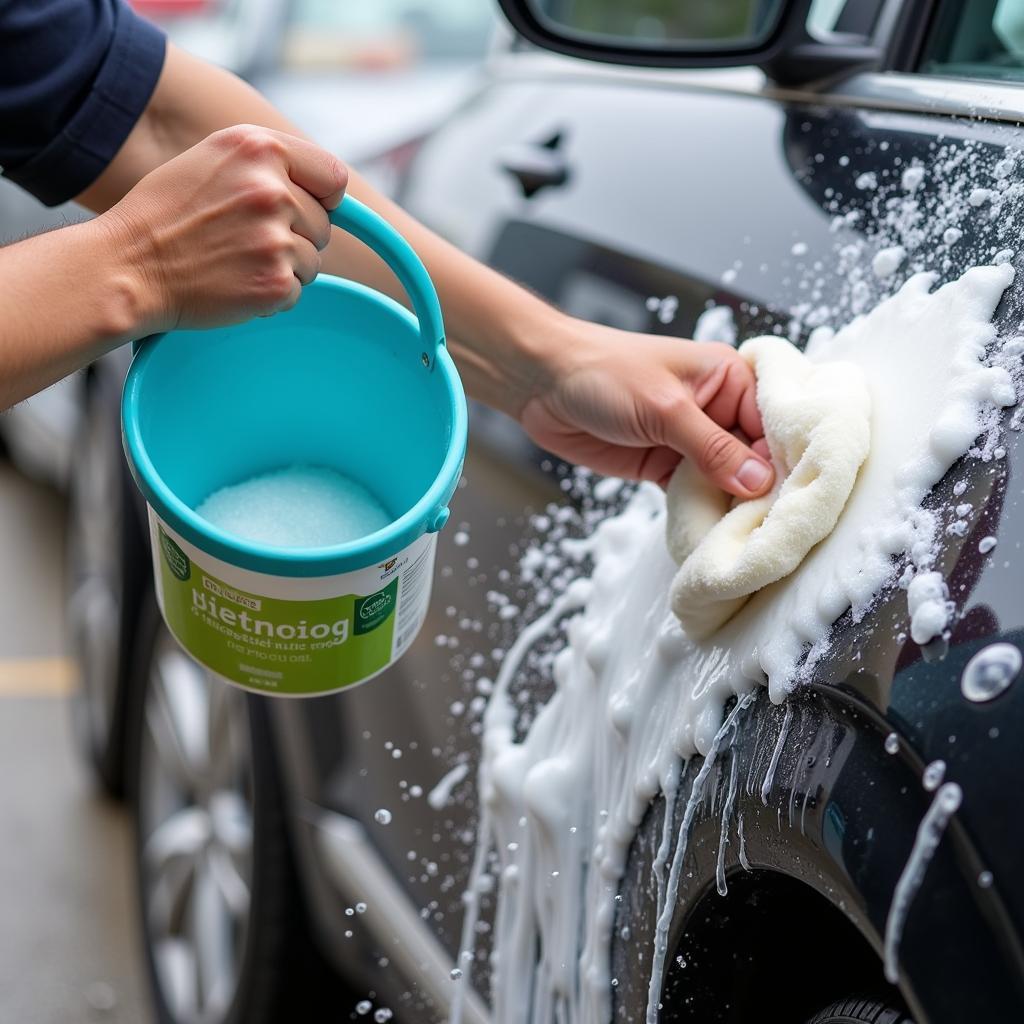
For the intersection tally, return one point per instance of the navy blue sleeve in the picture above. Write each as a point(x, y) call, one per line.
point(75, 76)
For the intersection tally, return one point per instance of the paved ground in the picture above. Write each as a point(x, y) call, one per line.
point(68, 950)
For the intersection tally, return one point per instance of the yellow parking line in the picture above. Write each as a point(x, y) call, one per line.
point(37, 677)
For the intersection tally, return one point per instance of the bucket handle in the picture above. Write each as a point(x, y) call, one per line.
point(358, 219)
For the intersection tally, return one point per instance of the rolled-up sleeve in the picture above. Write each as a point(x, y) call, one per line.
point(75, 77)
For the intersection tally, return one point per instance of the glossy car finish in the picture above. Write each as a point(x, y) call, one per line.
point(700, 192)
point(602, 190)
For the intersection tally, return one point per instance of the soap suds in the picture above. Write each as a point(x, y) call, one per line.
point(888, 261)
point(716, 324)
point(945, 804)
point(441, 794)
point(816, 420)
point(297, 507)
point(928, 605)
point(562, 794)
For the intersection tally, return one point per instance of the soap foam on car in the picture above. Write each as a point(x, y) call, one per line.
point(635, 696)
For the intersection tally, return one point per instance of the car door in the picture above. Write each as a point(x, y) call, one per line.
point(713, 203)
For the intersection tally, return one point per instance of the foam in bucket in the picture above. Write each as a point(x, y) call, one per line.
point(297, 507)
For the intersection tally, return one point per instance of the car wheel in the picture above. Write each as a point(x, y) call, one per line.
point(859, 1011)
point(223, 924)
point(107, 566)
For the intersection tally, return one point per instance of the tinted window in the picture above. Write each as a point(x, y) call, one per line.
point(980, 39)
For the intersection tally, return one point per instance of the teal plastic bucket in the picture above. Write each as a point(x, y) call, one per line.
point(347, 379)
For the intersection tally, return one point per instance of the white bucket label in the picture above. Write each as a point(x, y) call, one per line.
point(287, 635)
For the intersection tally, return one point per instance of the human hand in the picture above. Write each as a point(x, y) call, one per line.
point(230, 229)
point(632, 405)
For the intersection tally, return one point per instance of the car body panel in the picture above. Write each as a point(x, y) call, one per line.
point(705, 202)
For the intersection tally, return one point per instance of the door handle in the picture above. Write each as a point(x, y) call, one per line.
point(536, 165)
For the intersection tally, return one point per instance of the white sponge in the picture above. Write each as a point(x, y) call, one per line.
point(817, 424)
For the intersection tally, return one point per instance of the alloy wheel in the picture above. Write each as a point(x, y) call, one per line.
point(195, 833)
point(96, 573)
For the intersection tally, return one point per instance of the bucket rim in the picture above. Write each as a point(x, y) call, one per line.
point(427, 515)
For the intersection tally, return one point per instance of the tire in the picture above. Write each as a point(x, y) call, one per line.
point(222, 917)
point(107, 570)
point(859, 1011)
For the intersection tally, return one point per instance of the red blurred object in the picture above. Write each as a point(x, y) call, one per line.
point(170, 8)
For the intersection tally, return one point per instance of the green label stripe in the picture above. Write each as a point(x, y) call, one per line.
point(272, 645)
point(176, 559)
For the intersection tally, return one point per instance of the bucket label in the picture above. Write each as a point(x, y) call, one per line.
point(285, 646)
point(176, 559)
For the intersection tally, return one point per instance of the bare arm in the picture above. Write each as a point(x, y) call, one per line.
point(85, 302)
point(625, 404)
point(483, 310)
point(230, 229)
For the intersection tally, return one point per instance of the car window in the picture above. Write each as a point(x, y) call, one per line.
point(980, 39)
point(830, 18)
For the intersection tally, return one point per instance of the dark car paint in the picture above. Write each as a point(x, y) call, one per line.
point(752, 163)
point(663, 193)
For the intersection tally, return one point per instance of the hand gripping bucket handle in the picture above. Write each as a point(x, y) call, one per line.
point(301, 621)
point(359, 220)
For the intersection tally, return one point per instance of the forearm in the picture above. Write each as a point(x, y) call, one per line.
point(500, 334)
point(86, 301)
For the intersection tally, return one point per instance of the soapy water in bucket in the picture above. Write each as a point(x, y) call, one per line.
point(296, 507)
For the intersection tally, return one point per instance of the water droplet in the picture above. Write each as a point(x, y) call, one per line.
point(933, 775)
point(985, 879)
point(363, 1007)
point(360, 908)
point(990, 672)
point(986, 544)
point(382, 1015)
point(892, 743)
point(455, 973)
point(382, 817)
point(101, 996)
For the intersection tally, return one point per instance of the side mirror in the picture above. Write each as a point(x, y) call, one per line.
point(788, 39)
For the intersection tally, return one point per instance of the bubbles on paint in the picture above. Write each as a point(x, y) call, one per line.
point(363, 1007)
point(892, 743)
point(990, 672)
point(985, 880)
point(382, 816)
point(933, 775)
point(986, 544)
point(382, 1015)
